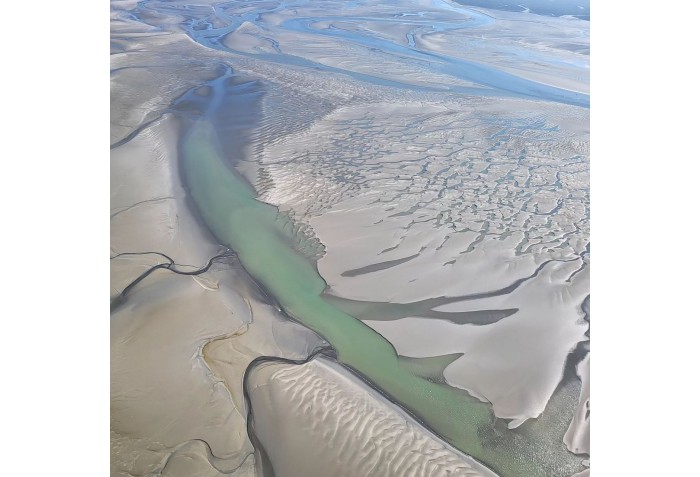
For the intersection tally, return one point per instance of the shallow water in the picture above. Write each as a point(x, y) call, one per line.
point(253, 230)
point(199, 25)
point(263, 240)
point(555, 8)
point(221, 119)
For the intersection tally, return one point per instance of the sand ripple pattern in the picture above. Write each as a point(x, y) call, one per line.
point(320, 412)
point(463, 172)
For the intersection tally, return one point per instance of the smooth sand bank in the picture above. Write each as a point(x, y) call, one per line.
point(169, 409)
point(578, 436)
point(516, 363)
point(432, 137)
point(147, 71)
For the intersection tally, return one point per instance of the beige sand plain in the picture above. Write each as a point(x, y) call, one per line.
point(578, 436)
point(180, 344)
point(412, 203)
point(170, 413)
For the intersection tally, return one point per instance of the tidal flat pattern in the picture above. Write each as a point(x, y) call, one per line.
point(405, 183)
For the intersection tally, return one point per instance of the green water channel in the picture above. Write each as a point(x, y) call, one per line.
point(264, 243)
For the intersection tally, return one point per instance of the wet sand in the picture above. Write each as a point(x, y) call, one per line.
point(177, 404)
point(404, 188)
point(318, 419)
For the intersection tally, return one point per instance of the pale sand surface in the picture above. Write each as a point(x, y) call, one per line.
point(337, 53)
point(147, 71)
point(319, 419)
point(250, 38)
point(417, 201)
point(170, 410)
point(578, 436)
point(383, 161)
point(148, 207)
point(551, 50)
point(515, 363)
point(180, 345)
point(168, 397)
point(161, 396)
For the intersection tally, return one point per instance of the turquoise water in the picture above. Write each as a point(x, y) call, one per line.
point(264, 241)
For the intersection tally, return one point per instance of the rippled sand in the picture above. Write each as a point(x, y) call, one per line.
point(421, 201)
point(450, 215)
point(318, 419)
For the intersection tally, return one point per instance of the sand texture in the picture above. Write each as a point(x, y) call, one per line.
point(403, 184)
point(317, 419)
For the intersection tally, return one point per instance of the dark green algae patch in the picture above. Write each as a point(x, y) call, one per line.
point(261, 237)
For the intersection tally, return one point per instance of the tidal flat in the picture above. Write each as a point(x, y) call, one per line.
point(349, 238)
